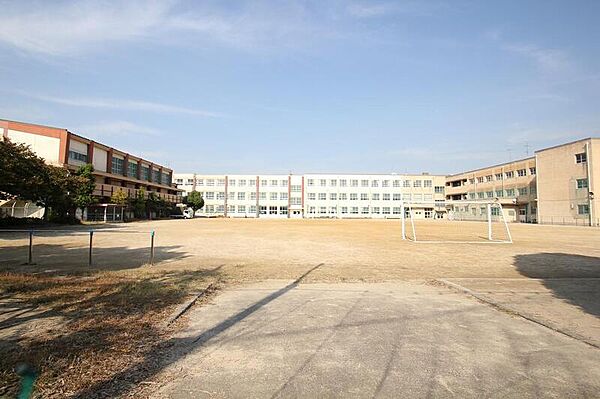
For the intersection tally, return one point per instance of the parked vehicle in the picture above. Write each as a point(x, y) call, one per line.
point(183, 213)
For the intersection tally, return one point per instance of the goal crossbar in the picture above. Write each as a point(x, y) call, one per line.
point(407, 210)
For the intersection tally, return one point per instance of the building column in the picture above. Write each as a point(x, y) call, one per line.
point(90, 153)
point(302, 198)
point(126, 165)
point(257, 197)
point(226, 195)
point(139, 169)
point(109, 157)
point(289, 196)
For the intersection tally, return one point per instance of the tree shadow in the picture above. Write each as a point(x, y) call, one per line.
point(574, 278)
point(104, 324)
point(168, 352)
point(75, 257)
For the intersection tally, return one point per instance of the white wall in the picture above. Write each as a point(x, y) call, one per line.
point(45, 147)
point(100, 158)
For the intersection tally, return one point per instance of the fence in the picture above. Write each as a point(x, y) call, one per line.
point(568, 221)
point(67, 248)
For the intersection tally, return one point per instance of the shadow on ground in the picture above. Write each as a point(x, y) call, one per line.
point(74, 257)
point(165, 353)
point(94, 327)
point(574, 278)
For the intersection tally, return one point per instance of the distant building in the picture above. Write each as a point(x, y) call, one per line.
point(317, 195)
point(568, 183)
point(113, 169)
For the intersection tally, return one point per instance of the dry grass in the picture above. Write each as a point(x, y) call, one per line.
point(79, 325)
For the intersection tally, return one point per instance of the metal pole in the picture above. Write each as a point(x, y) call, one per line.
point(30, 256)
point(152, 247)
point(90, 252)
point(489, 215)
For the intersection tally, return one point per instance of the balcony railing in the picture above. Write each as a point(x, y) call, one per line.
point(107, 190)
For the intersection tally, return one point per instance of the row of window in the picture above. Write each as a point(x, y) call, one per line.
point(371, 183)
point(502, 176)
point(365, 197)
point(77, 156)
point(242, 196)
point(118, 165)
point(365, 210)
point(243, 209)
point(509, 192)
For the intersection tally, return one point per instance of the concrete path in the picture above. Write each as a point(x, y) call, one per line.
point(279, 339)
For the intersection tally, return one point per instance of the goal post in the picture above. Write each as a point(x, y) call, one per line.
point(489, 223)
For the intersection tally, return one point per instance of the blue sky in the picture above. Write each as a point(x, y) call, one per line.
point(323, 86)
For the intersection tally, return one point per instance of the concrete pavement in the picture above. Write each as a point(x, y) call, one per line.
point(279, 339)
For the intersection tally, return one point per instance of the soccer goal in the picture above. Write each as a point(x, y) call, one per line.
point(470, 222)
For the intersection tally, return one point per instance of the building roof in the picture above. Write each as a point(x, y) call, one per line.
point(569, 143)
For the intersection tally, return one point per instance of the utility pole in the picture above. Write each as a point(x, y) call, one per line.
point(527, 149)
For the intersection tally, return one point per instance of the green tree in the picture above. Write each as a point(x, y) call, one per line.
point(119, 198)
point(194, 200)
point(22, 173)
point(86, 184)
point(138, 203)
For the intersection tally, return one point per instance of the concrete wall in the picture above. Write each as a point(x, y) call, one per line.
point(558, 172)
point(46, 147)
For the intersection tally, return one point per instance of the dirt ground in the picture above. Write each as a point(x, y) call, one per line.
point(61, 303)
point(350, 250)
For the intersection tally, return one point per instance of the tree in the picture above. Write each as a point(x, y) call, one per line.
point(138, 203)
point(119, 198)
point(195, 200)
point(84, 193)
point(22, 173)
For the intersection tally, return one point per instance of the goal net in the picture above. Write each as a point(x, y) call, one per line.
point(463, 222)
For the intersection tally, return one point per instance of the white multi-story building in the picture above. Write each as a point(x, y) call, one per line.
point(317, 195)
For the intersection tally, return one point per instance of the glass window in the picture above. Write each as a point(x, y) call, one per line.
point(583, 209)
point(323, 182)
point(522, 172)
point(77, 156)
point(374, 183)
point(353, 196)
point(427, 183)
point(582, 183)
point(322, 196)
point(364, 183)
point(117, 166)
point(417, 183)
point(406, 183)
point(439, 189)
point(581, 157)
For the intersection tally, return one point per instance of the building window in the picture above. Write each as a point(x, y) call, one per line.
point(333, 196)
point(77, 156)
point(210, 182)
point(220, 195)
point(581, 157)
point(364, 196)
point(231, 208)
point(385, 183)
point(490, 194)
point(343, 183)
point(582, 183)
point(242, 209)
point(353, 183)
point(220, 182)
point(396, 183)
point(406, 183)
point(220, 208)
point(353, 197)
point(510, 192)
point(231, 195)
point(343, 196)
point(364, 183)
point(323, 182)
point(406, 197)
point(252, 209)
point(471, 181)
point(439, 189)
point(500, 193)
point(344, 209)
point(322, 196)
point(242, 183)
point(365, 210)
point(428, 197)
point(323, 209)
point(583, 209)
point(480, 179)
point(311, 209)
point(375, 210)
point(166, 179)
point(262, 196)
point(498, 176)
point(427, 183)
point(296, 201)
point(117, 166)
point(374, 183)
point(523, 191)
point(522, 172)
point(241, 196)
point(480, 195)
point(283, 210)
point(231, 182)
point(333, 183)
point(252, 183)
point(273, 196)
point(418, 197)
point(386, 210)
point(179, 181)
point(375, 197)
point(397, 210)
point(397, 197)
point(488, 178)
point(532, 171)
point(295, 188)
point(272, 210)
point(354, 210)
point(209, 195)
point(284, 183)
point(283, 196)
point(155, 176)
point(312, 196)
point(199, 182)
point(253, 195)
point(510, 174)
